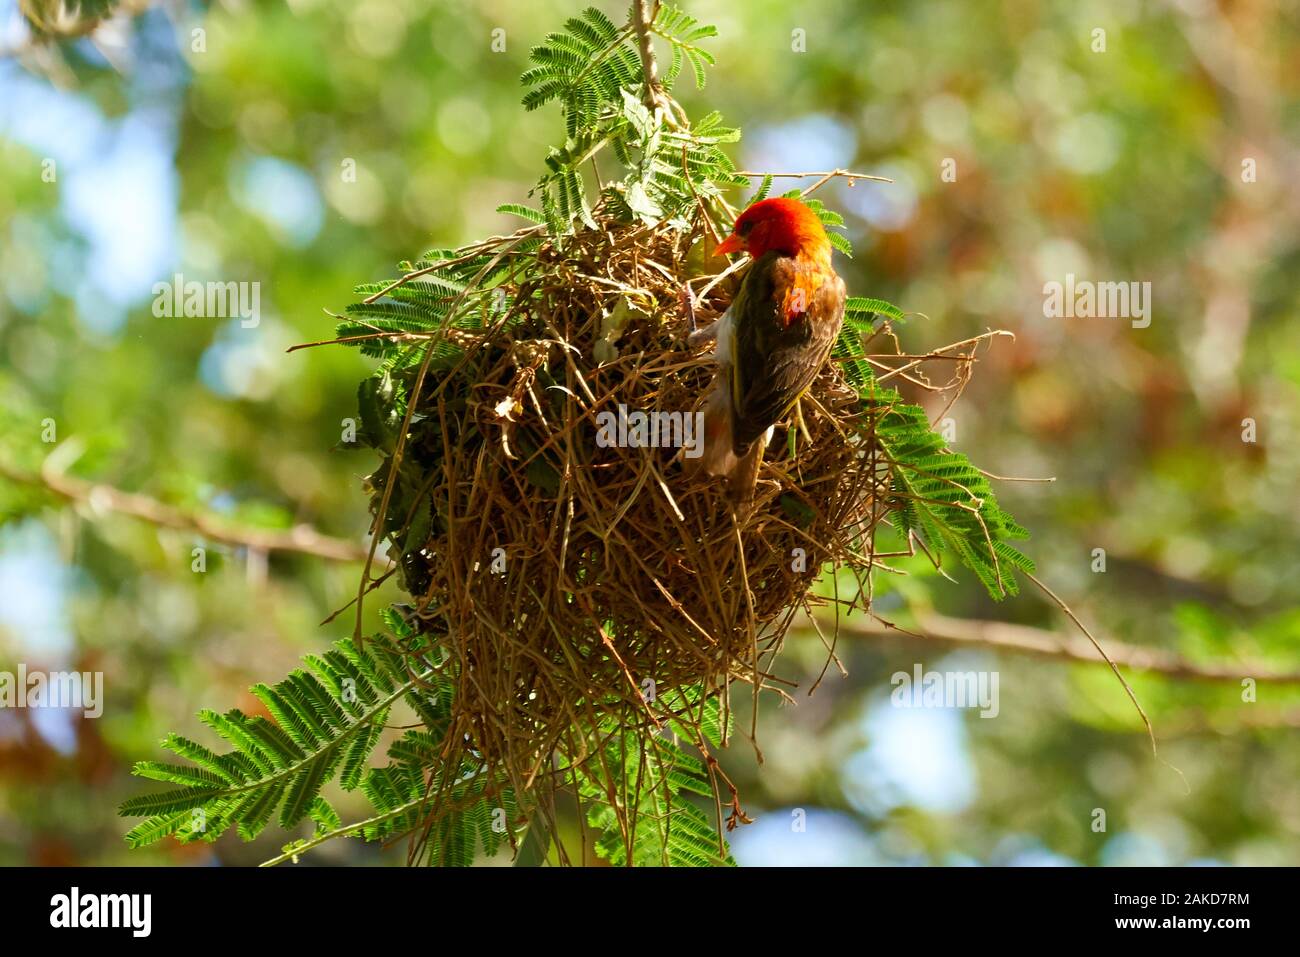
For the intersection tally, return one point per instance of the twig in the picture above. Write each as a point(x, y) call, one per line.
point(301, 539)
point(1014, 478)
point(1041, 643)
point(643, 15)
point(1128, 689)
point(823, 178)
point(824, 174)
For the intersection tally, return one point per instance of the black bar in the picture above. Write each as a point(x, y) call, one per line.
point(305, 905)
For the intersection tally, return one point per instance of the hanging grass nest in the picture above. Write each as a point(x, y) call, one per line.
point(572, 579)
point(575, 584)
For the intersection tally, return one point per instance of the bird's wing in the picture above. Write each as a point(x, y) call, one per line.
point(774, 361)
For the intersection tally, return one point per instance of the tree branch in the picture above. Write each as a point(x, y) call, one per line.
point(643, 16)
point(301, 539)
point(999, 636)
point(1021, 639)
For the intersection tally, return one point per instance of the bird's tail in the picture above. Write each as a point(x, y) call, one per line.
point(720, 456)
point(742, 480)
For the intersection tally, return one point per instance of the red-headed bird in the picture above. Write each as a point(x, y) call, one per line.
point(773, 339)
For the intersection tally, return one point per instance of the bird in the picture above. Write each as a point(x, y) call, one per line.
point(772, 340)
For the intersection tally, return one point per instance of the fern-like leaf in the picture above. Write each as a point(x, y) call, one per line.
point(324, 719)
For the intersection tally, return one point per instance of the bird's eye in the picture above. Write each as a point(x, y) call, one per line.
point(745, 228)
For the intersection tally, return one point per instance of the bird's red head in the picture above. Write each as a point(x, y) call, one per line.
point(785, 225)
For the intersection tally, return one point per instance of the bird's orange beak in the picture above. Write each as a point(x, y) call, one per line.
point(732, 244)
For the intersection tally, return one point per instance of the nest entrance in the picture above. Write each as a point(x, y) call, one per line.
point(573, 580)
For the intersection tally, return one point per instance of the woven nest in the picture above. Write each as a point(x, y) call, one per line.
point(574, 582)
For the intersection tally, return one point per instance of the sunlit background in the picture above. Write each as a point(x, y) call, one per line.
point(211, 142)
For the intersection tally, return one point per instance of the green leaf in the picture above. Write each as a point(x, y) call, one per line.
point(524, 212)
point(862, 308)
point(320, 725)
